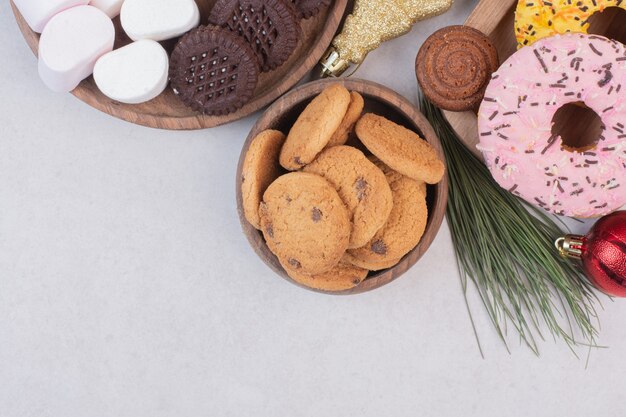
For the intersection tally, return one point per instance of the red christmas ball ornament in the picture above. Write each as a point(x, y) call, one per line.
point(602, 251)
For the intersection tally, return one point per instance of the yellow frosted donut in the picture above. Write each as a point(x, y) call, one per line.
point(536, 19)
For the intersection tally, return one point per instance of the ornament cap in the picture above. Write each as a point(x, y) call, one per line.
point(333, 65)
point(570, 246)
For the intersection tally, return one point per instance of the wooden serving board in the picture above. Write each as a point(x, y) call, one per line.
point(168, 112)
point(495, 18)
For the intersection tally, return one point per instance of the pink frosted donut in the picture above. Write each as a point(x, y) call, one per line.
point(515, 124)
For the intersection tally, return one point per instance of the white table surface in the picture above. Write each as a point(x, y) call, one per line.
point(127, 288)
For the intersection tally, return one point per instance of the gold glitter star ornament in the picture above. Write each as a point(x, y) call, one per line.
point(373, 22)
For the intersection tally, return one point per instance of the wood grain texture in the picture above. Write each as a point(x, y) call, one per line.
point(380, 100)
point(168, 112)
point(495, 18)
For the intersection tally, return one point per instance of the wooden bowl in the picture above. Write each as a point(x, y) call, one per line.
point(168, 112)
point(495, 18)
point(380, 100)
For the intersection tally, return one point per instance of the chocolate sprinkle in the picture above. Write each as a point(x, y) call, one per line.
point(608, 76)
point(593, 48)
point(551, 142)
point(558, 185)
point(541, 61)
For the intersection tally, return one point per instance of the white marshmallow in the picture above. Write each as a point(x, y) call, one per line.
point(159, 19)
point(38, 12)
point(110, 7)
point(70, 45)
point(133, 74)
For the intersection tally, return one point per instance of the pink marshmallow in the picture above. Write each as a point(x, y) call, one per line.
point(38, 12)
point(70, 45)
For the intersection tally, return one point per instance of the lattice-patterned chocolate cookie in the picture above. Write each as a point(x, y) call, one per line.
point(271, 27)
point(213, 70)
point(309, 8)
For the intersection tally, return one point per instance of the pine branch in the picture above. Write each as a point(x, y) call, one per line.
point(504, 246)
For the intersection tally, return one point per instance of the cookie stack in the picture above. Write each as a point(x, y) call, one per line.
point(331, 212)
point(215, 69)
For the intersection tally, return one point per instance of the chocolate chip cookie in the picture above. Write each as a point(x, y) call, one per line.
point(305, 223)
point(400, 148)
point(355, 108)
point(406, 223)
point(361, 185)
point(369, 265)
point(314, 127)
point(260, 168)
point(342, 277)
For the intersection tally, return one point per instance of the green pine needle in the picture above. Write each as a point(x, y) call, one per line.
point(506, 248)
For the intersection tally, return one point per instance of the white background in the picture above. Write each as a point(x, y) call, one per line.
point(127, 288)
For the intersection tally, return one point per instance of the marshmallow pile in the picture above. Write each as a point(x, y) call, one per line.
point(77, 39)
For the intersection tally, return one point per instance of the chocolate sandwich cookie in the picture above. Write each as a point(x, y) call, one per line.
point(270, 26)
point(454, 67)
point(309, 8)
point(213, 71)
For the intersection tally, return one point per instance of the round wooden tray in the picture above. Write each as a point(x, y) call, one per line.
point(495, 18)
point(380, 100)
point(168, 112)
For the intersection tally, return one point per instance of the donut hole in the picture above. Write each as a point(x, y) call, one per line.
point(610, 23)
point(578, 126)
